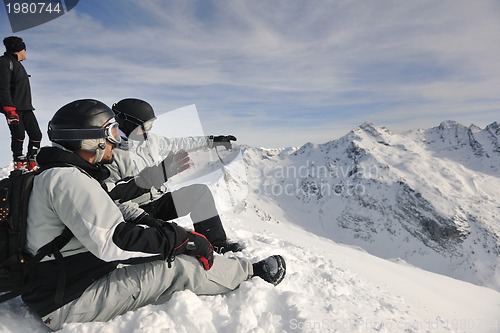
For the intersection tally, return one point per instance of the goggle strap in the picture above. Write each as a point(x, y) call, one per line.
point(77, 134)
point(87, 133)
point(132, 119)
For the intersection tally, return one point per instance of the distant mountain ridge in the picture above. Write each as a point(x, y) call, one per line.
point(428, 197)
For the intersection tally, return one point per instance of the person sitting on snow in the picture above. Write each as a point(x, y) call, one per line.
point(141, 151)
point(84, 282)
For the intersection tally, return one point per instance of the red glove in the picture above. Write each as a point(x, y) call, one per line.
point(11, 115)
point(190, 243)
point(201, 248)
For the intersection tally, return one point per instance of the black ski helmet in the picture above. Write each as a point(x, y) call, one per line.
point(77, 121)
point(131, 113)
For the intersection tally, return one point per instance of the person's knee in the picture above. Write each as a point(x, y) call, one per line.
point(200, 188)
point(35, 134)
point(17, 134)
point(36, 137)
point(202, 192)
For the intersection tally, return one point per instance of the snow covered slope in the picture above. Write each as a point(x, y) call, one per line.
point(329, 288)
point(395, 195)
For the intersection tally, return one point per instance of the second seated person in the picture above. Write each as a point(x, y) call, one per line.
point(158, 158)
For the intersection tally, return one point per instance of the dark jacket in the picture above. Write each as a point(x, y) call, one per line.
point(70, 196)
point(15, 87)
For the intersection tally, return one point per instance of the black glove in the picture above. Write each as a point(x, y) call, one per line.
point(173, 237)
point(223, 140)
point(199, 247)
point(157, 175)
point(181, 241)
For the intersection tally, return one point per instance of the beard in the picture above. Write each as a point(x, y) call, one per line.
point(107, 159)
point(108, 156)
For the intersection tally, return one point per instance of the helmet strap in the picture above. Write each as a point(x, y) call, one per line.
point(145, 135)
point(99, 152)
point(97, 146)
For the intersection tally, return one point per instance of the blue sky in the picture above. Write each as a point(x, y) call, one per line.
point(274, 73)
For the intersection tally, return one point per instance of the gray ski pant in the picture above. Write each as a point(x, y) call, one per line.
point(131, 287)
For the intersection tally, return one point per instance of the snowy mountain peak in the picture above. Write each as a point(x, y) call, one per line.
point(368, 130)
point(426, 196)
point(451, 124)
point(376, 131)
point(494, 128)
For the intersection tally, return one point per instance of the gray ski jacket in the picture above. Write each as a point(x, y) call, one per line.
point(132, 156)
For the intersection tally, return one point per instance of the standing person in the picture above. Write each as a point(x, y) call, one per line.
point(86, 284)
point(142, 151)
point(15, 100)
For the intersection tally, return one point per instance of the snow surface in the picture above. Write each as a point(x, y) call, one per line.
point(329, 287)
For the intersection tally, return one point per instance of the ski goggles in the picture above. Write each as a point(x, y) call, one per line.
point(112, 132)
point(109, 132)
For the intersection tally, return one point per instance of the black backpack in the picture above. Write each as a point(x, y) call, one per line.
point(16, 265)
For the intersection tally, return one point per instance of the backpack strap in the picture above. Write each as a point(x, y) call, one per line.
point(53, 247)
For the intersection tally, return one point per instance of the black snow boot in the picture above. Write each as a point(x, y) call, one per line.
point(271, 270)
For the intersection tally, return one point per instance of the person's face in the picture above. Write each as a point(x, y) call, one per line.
point(108, 157)
point(21, 55)
point(140, 133)
point(108, 151)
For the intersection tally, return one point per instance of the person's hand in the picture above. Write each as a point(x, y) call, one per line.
point(175, 163)
point(11, 115)
point(182, 241)
point(223, 140)
point(199, 247)
point(157, 175)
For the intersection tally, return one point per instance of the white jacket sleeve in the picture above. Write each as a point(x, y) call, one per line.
point(165, 145)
